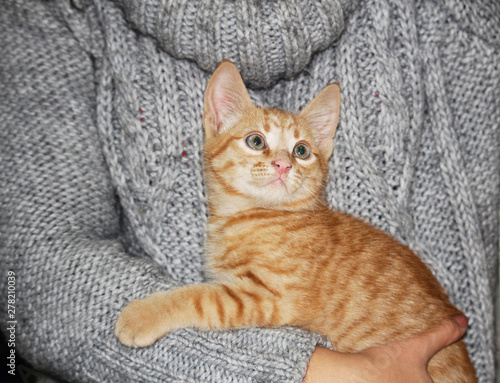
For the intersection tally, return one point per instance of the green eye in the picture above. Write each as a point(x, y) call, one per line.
point(256, 141)
point(302, 151)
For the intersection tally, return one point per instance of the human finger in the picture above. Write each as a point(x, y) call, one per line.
point(446, 333)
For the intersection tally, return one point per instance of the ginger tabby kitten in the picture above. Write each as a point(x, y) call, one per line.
point(278, 256)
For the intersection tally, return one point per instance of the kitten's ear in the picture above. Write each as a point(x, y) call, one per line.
point(322, 114)
point(226, 97)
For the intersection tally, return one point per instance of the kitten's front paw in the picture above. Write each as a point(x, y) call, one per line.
point(140, 323)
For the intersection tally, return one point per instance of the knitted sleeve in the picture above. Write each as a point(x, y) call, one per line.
point(267, 40)
point(60, 224)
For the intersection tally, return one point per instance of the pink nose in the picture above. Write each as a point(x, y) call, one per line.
point(282, 166)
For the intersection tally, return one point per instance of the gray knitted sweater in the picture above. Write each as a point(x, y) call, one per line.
point(101, 191)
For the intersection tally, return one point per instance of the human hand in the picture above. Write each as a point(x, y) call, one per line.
point(403, 361)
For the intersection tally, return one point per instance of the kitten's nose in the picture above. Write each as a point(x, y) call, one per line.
point(282, 166)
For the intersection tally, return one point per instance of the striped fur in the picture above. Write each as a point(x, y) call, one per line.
point(276, 255)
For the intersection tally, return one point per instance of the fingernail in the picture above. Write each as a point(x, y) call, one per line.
point(462, 320)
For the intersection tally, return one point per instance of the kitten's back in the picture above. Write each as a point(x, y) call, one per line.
point(339, 276)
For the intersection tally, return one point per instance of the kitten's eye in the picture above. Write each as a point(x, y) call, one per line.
point(256, 141)
point(302, 151)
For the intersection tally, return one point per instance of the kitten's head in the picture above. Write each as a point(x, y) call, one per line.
point(257, 157)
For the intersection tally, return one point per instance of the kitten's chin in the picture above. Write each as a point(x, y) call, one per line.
point(274, 194)
point(278, 184)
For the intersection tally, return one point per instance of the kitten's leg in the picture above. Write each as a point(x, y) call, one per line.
point(452, 365)
point(205, 306)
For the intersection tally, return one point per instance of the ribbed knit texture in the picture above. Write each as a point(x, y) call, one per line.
point(101, 185)
point(268, 40)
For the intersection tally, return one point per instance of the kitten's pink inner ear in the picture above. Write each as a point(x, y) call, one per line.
point(226, 98)
point(322, 114)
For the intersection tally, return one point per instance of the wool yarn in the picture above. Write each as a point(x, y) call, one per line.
point(102, 196)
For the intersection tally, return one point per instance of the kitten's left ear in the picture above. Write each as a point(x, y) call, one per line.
point(322, 114)
point(226, 98)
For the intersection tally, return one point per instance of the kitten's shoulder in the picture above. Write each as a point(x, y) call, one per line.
point(349, 226)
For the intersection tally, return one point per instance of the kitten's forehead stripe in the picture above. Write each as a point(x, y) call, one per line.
point(288, 125)
point(274, 118)
point(267, 127)
point(290, 122)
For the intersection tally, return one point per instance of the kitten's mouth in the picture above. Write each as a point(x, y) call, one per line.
point(278, 182)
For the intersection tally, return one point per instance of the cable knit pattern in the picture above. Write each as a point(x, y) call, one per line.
point(102, 197)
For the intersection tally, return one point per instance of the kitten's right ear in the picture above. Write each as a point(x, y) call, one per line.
point(226, 97)
point(322, 114)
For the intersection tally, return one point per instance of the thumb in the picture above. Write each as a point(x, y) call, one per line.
point(446, 333)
